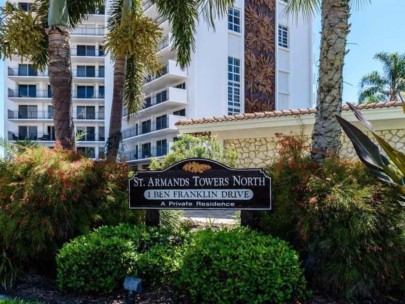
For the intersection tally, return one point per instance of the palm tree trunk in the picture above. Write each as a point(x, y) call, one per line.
point(60, 77)
point(335, 28)
point(114, 134)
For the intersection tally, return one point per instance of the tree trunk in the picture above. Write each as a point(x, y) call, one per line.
point(114, 134)
point(60, 78)
point(335, 28)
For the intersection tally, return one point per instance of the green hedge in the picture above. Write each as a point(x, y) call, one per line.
point(240, 266)
point(99, 261)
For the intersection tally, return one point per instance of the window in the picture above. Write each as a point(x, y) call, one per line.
point(90, 152)
point(146, 127)
point(27, 111)
point(101, 112)
point(181, 86)
point(234, 20)
point(161, 147)
point(27, 90)
point(86, 71)
point(146, 150)
point(86, 112)
point(28, 132)
point(283, 36)
point(89, 133)
point(51, 133)
point(233, 86)
point(26, 70)
point(101, 92)
point(148, 102)
point(49, 91)
point(101, 50)
point(85, 91)
point(50, 112)
point(86, 50)
point(25, 6)
point(161, 122)
point(101, 71)
point(181, 112)
point(161, 96)
point(101, 133)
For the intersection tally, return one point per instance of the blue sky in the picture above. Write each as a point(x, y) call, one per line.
point(376, 27)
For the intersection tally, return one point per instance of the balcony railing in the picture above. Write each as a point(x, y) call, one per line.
point(146, 128)
point(159, 74)
point(146, 153)
point(164, 42)
point(50, 115)
point(88, 30)
point(29, 115)
point(29, 94)
point(88, 95)
point(159, 20)
point(31, 136)
point(21, 72)
point(87, 53)
point(91, 73)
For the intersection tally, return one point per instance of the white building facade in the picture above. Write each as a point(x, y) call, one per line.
point(255, 48)
point(215, 83)
point(28, 97)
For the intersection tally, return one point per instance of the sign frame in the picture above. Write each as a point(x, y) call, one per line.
point(200, 161)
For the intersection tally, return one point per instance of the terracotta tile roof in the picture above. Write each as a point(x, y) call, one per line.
point(280, 113)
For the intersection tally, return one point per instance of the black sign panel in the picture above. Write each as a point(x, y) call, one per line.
point(200, 184)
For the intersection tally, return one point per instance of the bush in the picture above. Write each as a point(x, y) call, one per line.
point(346, 225)
point(49, 196)
point(99, 261)
point(240, 266)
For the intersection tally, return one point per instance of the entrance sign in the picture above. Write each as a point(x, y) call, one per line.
point(200, 184)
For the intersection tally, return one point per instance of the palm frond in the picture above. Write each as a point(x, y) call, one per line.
point(212, 9)
point(80, 9)
point(22, 34)
point(373, 79)
point(372, 94)
point(134, 79)
point(183, 16)
point(308, 8)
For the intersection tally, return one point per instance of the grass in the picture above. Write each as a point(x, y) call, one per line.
point(15, 301)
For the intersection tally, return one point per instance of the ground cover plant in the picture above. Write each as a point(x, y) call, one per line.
point(48, 197)
point(347, 225)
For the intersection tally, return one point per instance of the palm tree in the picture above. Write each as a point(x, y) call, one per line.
point(335, 28)
point(133, 42)
point(388, 86)
point(133, 60)
point(42, 37)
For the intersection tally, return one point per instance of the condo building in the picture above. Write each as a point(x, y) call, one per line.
point(256, 59)
point(28, 97)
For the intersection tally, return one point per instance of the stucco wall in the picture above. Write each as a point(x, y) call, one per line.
point(262, 151)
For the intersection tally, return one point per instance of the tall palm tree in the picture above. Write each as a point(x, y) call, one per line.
point(42, 37)
point(388, 86)
point(335, 28)
point(134, 60)
point(133, 42)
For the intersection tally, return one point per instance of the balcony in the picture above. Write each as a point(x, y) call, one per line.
point(170, 73)
point(145, 153)
point(87, 53)
point(160, 128)
point(27, 95)
point(29, 115)
point(88, 95)
point(150, 9)
point(15, 73)
point(162, 101)
point(84, 30)
point(89, 116)
point(31, 136)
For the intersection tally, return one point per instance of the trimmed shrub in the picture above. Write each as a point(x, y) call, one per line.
point(240, 266)
point(99, 261)
point(346, 225)
point(50, 196)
